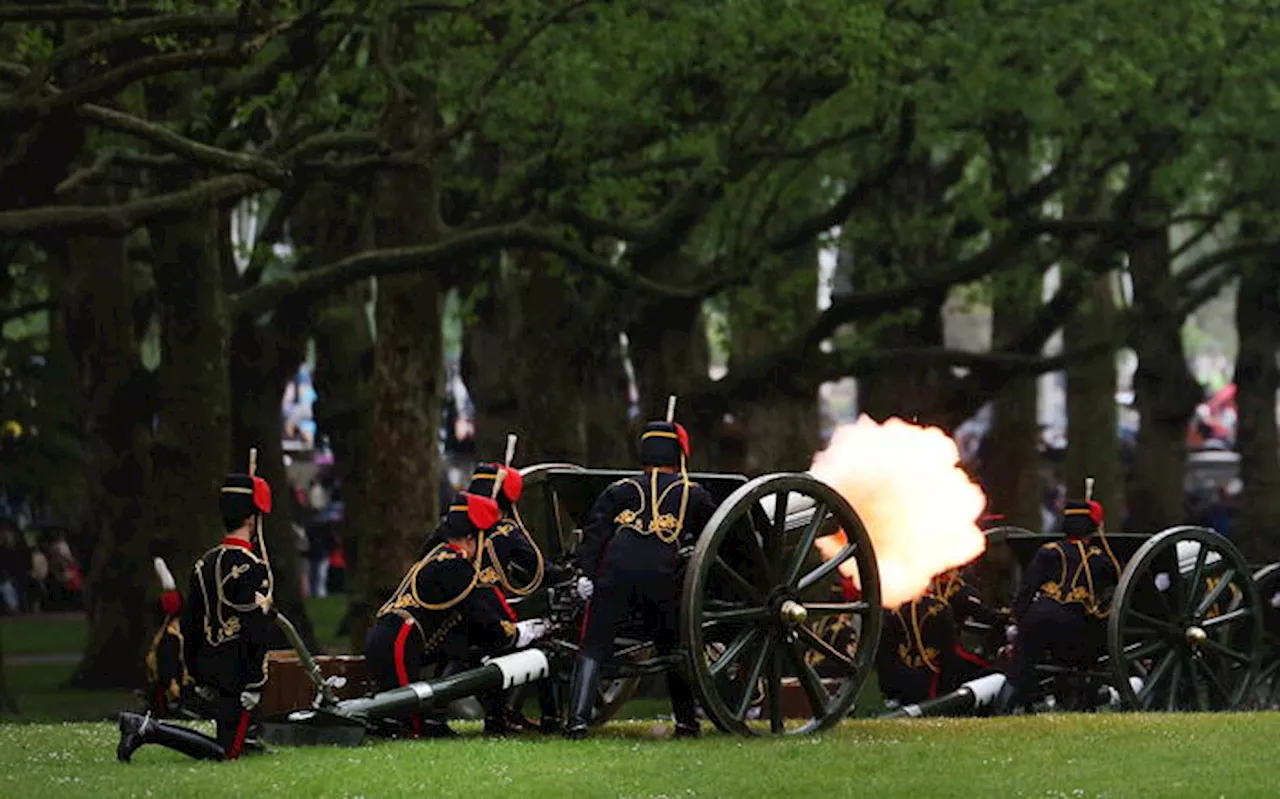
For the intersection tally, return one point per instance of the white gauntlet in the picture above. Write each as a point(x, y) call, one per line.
point(250, 699)
point(585, 587)
point(530, 630)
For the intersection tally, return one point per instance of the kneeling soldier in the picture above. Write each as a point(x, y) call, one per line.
point(440, 611)
point(630, 559)
point(1062, 601)
point(226, 634)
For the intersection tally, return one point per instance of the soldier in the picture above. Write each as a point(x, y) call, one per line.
point(167, 675)
point(962, 598)
point(513, 564)
point(629, 559)
point(1063, 599)
point(440, 611)
point(917, 644)
point(226, 637)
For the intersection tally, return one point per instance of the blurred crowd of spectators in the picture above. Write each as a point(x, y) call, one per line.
point(38, 570)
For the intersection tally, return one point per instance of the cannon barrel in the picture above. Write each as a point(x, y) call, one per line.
point(983, 692)
point(502, 672)
point(968, 697)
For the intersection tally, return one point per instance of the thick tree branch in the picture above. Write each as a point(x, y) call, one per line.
point(392, 261)
point(116, 79)
point(193, 151)
point(66, 12)
point(122, 218)
point(131, 31)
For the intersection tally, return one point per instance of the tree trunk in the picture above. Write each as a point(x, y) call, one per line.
point(97, 309)
point(552, 362)
point(492, 349)
point(781, 428)
point(7, 702)
point(192, 449)
point(1010, 457)
point(327, 225)
point(912, 392)
point(1257, 380)
point(1165, 393)
point(263, 360)
point(344, 410)
point(1092, 447)
point(408, 367)
point(604, 397)
point(669, 350)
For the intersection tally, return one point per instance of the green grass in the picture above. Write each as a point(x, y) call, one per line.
point(1117, 755)
point(46, 634)
point(41, 696)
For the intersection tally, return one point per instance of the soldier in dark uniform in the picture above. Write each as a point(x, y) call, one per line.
point(1063, 600)
point(513, 564)
point(917, 645)
point(966, 604)
point(167, 678)
point(441, 611)
point(629, 560)
point(226, 634)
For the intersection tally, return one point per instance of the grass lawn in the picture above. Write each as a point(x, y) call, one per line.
point(1112, 755)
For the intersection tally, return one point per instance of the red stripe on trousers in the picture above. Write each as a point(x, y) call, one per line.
point(933, 684)
point(402, 671)
point(582, 629)
point(242, 729)
point(965, 654)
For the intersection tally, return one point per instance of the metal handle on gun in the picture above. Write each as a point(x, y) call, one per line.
point(326, 695)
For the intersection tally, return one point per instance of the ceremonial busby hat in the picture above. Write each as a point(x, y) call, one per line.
point(1081, 518)
point(664, 443)
point(242, 496)
point(484, 482)
point(469, 514)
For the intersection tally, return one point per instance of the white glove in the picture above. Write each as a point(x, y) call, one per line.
point(206, 693)
point(250, 699)
point(530, 630)
point(585, 587)
point(1011, 633)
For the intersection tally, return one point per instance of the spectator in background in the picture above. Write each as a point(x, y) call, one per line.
point(319, 534)
point(64, 584)
point(15, 562)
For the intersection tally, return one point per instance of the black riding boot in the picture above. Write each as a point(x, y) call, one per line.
point(498, 719)
point(549, 705)
point(683, 706)
point(137, 730)
point(582, 697)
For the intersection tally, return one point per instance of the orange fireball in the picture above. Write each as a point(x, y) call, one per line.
point(920, 508)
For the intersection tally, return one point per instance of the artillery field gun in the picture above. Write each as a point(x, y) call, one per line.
point(773, 643)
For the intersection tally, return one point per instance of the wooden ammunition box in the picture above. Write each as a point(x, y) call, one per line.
point(289, 688)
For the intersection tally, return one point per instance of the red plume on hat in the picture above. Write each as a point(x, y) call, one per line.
point(1095, 508)
point(481, 512)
